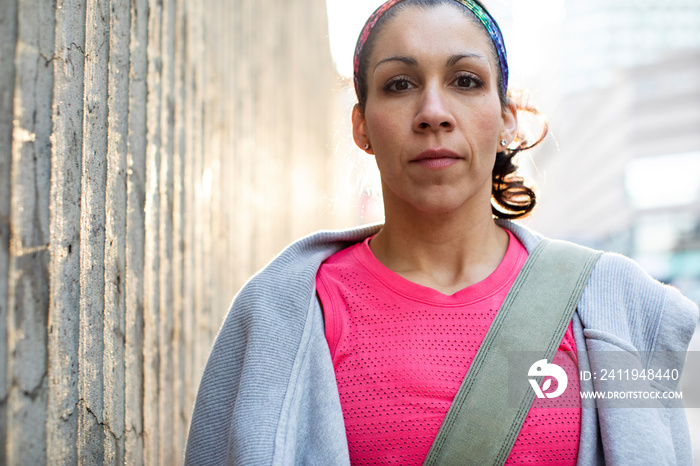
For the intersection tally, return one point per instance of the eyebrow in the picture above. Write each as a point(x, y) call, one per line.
point(407, 60)
point(453, 60)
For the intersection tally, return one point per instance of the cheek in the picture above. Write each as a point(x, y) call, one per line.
point(489, 121)
point(381, 126)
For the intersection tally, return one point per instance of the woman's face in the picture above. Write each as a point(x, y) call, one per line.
point(433, 118)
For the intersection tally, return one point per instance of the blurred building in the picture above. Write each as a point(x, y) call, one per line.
point(622, 171)
point(603, 36)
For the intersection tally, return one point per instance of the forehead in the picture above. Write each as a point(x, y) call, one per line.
point(442, 30)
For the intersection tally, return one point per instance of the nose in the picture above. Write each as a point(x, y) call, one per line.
point(434, 113)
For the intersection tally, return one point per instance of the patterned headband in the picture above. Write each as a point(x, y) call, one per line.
point(474, 6)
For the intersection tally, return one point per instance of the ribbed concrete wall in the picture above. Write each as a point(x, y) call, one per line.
point(153, 154)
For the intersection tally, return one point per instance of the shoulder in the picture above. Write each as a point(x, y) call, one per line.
point(285, 286)
point(622, 302)
point(301, 260)
point(259, 349)
point(623, 299)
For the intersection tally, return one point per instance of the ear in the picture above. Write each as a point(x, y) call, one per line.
point(510, 123)
point(359, 130)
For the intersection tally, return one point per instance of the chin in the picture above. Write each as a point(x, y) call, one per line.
point(438, 199)
point(438, 204)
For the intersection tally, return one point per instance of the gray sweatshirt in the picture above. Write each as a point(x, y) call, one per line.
point(268, 393)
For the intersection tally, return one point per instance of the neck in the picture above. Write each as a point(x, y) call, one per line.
point(444, 251)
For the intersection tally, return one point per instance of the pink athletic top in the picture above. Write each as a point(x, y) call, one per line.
point(400, 351)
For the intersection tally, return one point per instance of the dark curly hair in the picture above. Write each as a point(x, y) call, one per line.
point(511, 198)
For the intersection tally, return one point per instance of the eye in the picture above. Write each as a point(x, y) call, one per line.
point(399, 84)
point(467, 81)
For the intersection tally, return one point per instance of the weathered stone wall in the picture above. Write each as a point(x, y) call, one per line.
point(153, 154)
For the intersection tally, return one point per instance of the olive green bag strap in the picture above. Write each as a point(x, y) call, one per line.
point(487, 413)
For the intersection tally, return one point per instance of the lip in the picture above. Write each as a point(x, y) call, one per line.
point(436, 158)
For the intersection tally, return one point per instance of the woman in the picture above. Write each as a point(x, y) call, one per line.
point(350, 346)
